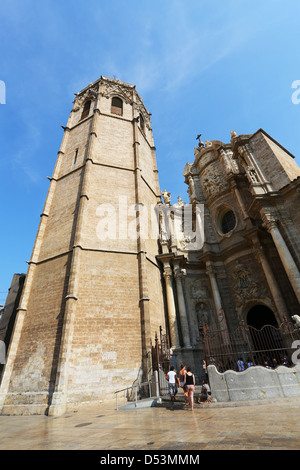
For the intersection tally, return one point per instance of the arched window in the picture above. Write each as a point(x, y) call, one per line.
point(86, 109)
point(117, 106)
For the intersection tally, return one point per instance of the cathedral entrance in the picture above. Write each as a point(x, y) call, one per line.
point(257, 341)
point(267, 341)
point(261, 315)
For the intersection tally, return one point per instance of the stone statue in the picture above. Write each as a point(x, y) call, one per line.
point(296, 319)
point(252, 174)
point(180, 202)
point(166, 196)
point(233, 134)
point(163, 234)
point(201, 144)
point(202, 314)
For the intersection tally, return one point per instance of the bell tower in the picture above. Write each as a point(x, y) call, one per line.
point(92, 299)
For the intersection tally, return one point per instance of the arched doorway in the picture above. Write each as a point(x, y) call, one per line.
point(261, 315)
point(265, 335)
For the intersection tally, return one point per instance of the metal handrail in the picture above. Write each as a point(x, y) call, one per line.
point(131, 387)
point(136, 386)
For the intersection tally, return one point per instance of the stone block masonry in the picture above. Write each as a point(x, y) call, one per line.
point(90, 306)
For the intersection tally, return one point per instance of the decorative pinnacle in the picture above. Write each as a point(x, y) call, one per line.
point(201, 144)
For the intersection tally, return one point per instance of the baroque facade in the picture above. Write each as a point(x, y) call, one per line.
point(248, 267)
point(94, 296)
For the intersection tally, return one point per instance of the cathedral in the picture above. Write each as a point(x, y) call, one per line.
point(106, 275)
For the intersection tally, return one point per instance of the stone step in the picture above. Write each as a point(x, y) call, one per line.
point(144, 403)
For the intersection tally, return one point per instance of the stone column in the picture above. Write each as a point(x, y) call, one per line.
point(171, 308)
point(215, 291)
point(181, 305)
point(240, 201)
point(285, 255)
point(200, 233)
point(272, 283)
point(218, 302)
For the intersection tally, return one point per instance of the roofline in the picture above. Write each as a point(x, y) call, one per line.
point(273, 140)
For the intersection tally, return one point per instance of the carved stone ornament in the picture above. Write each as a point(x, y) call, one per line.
point(183, 243)
point(244, 285)
point(111, 89)
point(90, 94)
point(270, 221)
point(167, 273)
point(213, 182)
point(230, 165)
point(252, 174)
point(199, 290)
point(140, 108)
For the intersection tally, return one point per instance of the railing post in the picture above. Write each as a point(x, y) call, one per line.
point(156, 383)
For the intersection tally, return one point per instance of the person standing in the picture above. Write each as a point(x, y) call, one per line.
point(204, 367)
point(172, 378)
point(189, 382)
point(240, 364)
point(182, 374)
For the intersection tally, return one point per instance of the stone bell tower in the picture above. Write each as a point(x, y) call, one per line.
point(92, 299)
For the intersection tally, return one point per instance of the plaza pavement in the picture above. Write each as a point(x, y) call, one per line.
point(257, 425)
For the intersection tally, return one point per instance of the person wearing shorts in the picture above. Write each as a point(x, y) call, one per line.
point(172, 378)
point(189, 382)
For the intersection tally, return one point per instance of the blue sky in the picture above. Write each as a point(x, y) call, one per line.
point(201, 66)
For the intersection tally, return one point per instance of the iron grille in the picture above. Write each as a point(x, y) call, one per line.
point(248, 346)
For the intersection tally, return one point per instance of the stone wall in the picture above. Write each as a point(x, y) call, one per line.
point(92, 303)
point(254, 383)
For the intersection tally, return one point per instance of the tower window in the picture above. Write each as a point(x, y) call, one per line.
point(228, 222)
point(117, 106)
point(75, 157)
point(142, 123)
point(86, 109)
